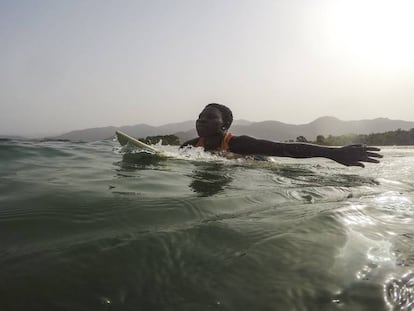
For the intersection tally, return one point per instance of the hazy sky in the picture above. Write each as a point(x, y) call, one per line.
point(68, 65)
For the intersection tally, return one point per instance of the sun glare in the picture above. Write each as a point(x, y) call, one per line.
point(372, 33)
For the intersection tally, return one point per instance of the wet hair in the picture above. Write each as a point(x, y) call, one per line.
point(226, 113)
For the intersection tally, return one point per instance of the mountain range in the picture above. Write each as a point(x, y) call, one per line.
point(271, 130)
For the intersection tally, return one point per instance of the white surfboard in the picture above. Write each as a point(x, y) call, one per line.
point(125, 139)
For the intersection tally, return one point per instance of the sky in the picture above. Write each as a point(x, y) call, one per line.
point(75, 64)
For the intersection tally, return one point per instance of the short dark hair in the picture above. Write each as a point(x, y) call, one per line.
point(226, 113)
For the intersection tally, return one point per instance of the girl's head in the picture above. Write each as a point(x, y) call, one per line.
point(226, 114)
point(215, 119)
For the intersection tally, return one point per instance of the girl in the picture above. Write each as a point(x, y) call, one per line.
point(214, 121)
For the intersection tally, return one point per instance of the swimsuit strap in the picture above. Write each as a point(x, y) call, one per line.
point(225, 142)
point(200, 142)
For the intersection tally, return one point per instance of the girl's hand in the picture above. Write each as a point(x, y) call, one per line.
point(353, 155)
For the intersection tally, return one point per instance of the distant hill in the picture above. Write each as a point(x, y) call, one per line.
point(12, 137)
point(278, 131)
point(272, 130)
point(139, 130)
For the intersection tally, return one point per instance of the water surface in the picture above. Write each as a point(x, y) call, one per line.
point(86, 226)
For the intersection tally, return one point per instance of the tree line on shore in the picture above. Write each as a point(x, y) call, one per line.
point(390, 138)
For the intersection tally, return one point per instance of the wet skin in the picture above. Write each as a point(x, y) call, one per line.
point(210, 123)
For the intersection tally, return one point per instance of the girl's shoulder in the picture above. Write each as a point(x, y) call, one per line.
point(191, 142)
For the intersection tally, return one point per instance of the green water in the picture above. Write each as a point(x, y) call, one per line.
point(85, 226)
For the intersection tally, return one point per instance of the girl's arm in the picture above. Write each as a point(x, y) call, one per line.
point(351, 155)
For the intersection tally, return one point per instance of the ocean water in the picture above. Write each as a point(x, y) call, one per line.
point(90, 226)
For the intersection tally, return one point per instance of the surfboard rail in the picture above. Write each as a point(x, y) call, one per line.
point(124, 139)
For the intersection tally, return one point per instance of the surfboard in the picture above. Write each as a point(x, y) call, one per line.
point(124, 139)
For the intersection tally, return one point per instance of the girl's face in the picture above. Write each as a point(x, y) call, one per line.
point(210, 122)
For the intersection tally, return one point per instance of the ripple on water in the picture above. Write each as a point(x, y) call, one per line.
point(396, 207)
point(116, 232)
point(399, 292)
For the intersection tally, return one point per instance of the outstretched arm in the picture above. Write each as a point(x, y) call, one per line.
point(351, 155)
